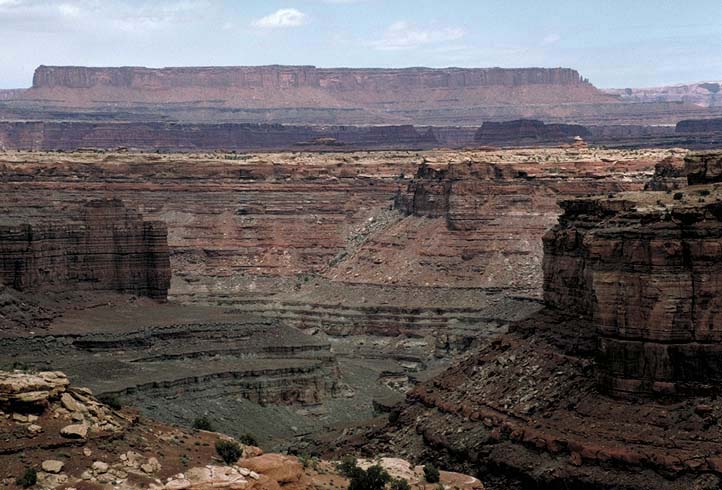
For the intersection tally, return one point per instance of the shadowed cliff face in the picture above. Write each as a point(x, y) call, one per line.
point(644, 268)
point(99, 246)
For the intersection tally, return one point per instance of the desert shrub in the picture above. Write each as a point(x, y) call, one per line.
point(229, 451)
point(111, 400)
point(202, 423)
point(348, 466)
point(431, 473)
point(28, 479)
point(248, 440)
point(399, 484)
point(375, 478)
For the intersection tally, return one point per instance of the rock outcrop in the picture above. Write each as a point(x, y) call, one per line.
point(119, 450)
point(99, 246)
point(528, 132)
point(643, 268)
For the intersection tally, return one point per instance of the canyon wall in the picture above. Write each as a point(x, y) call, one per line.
point(529, 132)
point(99, 246)
point(713, 125)
point(477, 221)
point(631, 286)
point(288, 77)
point(210, 137)
point(644, 269)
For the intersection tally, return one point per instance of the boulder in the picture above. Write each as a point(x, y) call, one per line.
point(283, 469)
point(74, 431)
point(52, 466)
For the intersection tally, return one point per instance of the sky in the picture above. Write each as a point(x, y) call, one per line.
point(614, 43)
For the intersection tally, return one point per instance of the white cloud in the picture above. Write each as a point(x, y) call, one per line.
point(551, 39)
point(404, 35)
point(282, 18)
point(94, 15)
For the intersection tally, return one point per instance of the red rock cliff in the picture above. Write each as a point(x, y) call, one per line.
point(645, 268)
point(103, 246)
point(282, 77)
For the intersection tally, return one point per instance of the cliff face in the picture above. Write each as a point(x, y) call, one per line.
point(528, 132)
point(102, 246)
point(700, 126)
point(286, 77)
point(644, 268)
point(189, 137)
point(478, 223)
point(304, 94)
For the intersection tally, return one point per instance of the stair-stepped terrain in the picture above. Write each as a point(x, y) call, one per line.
point(614, 383)
point(54, 435)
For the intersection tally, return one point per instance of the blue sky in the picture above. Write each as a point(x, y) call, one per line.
point(614, 43)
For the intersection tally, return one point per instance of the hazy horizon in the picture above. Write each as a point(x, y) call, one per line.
point(615, 45)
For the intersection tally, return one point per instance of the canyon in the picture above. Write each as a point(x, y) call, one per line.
point(308, 290)
point(508, 273)
point(613, 383)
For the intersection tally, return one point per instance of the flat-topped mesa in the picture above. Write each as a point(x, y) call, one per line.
point(99, 246)
point(645, 268)
point(528, 132)
point(276, 76)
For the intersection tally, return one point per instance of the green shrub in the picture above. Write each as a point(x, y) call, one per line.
point(248, 440)
point(202, 423)
point(111, 400)
point(229, 451)
point(399, 484)
point(375, 478)
point(431, 473)
point(348, 466)
point(29, 478)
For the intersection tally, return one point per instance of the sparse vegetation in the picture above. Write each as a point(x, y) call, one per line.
point(248, 440)
point(431, 473)
point(375, 478)
point(28, 479)
point(229, 451)
point(347, 466)
point(399, 484)
point(202, 423)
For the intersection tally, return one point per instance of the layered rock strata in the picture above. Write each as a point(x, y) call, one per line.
point(643, 267)
point(99, 246)
point(632, 311)
point(67, 136)
point(528, 132)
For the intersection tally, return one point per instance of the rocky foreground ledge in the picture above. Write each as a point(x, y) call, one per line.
point(56, 436)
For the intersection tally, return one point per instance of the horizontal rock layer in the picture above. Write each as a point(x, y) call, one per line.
point(644, 268)
point(286, 77)
point(99, 246)
point(210, 137)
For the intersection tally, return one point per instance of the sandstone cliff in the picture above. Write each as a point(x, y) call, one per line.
point(309, 95)
point(528, 132)
point(643, 268)
point(207, 137)
point(100, 246)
